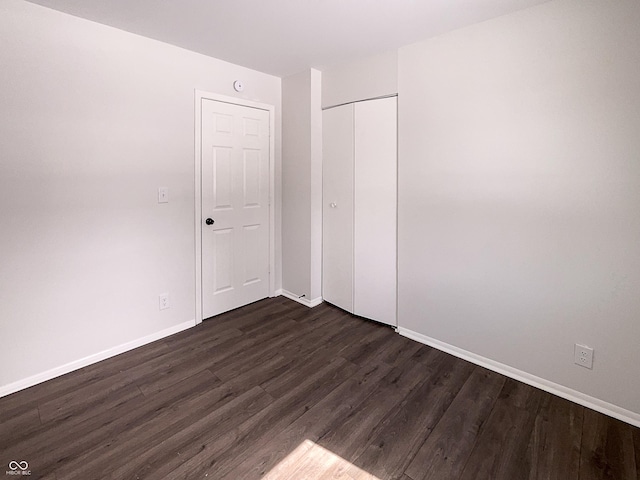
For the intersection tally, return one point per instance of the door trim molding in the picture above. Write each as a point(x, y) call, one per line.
point(199, 96)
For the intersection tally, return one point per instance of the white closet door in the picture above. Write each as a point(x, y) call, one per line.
point(375, 210)
point(337, 207)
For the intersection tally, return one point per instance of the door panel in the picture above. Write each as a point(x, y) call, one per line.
point(252, 164)
point(252, 237)
point(223, 260)
point(337, 207)
point(375, 210)
point(222, 182)
point(235, 195)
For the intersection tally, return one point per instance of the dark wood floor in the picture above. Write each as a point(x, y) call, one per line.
point(278, 390)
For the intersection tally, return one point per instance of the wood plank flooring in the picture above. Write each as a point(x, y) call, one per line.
point(279, 391)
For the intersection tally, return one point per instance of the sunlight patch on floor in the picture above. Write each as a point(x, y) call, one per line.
point(310, 461)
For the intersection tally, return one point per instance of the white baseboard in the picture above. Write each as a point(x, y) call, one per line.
point(304, 301)
point(548, 386)
point(96, 357)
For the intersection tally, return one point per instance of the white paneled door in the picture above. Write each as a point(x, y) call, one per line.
point(235, 206)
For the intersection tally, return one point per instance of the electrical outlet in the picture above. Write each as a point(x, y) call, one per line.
point(164, 301)
point(583, 356)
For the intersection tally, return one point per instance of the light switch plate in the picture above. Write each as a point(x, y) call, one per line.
point(163, 195)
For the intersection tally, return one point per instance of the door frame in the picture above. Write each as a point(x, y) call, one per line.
point(199, 97)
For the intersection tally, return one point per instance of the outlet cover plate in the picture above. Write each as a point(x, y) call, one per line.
point(163, 300)
point(583, 356)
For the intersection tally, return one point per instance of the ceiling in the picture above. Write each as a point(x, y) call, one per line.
point(282, 37)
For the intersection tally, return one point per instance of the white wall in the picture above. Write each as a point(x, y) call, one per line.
point(302, 186)
point(92, 121)
point(519, 193)
point(366, 78)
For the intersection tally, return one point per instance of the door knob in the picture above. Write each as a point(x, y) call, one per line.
point(333, 205)
point(209, 221)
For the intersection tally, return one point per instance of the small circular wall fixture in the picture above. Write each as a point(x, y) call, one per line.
point(238, 86)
